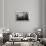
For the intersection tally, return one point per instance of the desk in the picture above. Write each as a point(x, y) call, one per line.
point(24, 44)
point(21, 39)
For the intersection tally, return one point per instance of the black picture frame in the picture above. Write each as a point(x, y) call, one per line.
point(22, 16)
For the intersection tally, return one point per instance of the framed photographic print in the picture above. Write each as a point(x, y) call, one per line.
point(22, 16)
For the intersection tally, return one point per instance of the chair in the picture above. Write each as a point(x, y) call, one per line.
point(1, 41)
point(5, 37)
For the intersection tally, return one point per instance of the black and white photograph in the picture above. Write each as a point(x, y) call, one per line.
point(21, 16)
point(22, 22)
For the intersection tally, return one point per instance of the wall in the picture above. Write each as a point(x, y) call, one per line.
point(1, 14)
point(35, 15)
point(44, 18)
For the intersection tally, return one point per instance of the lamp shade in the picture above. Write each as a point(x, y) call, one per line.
point(39, 29)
